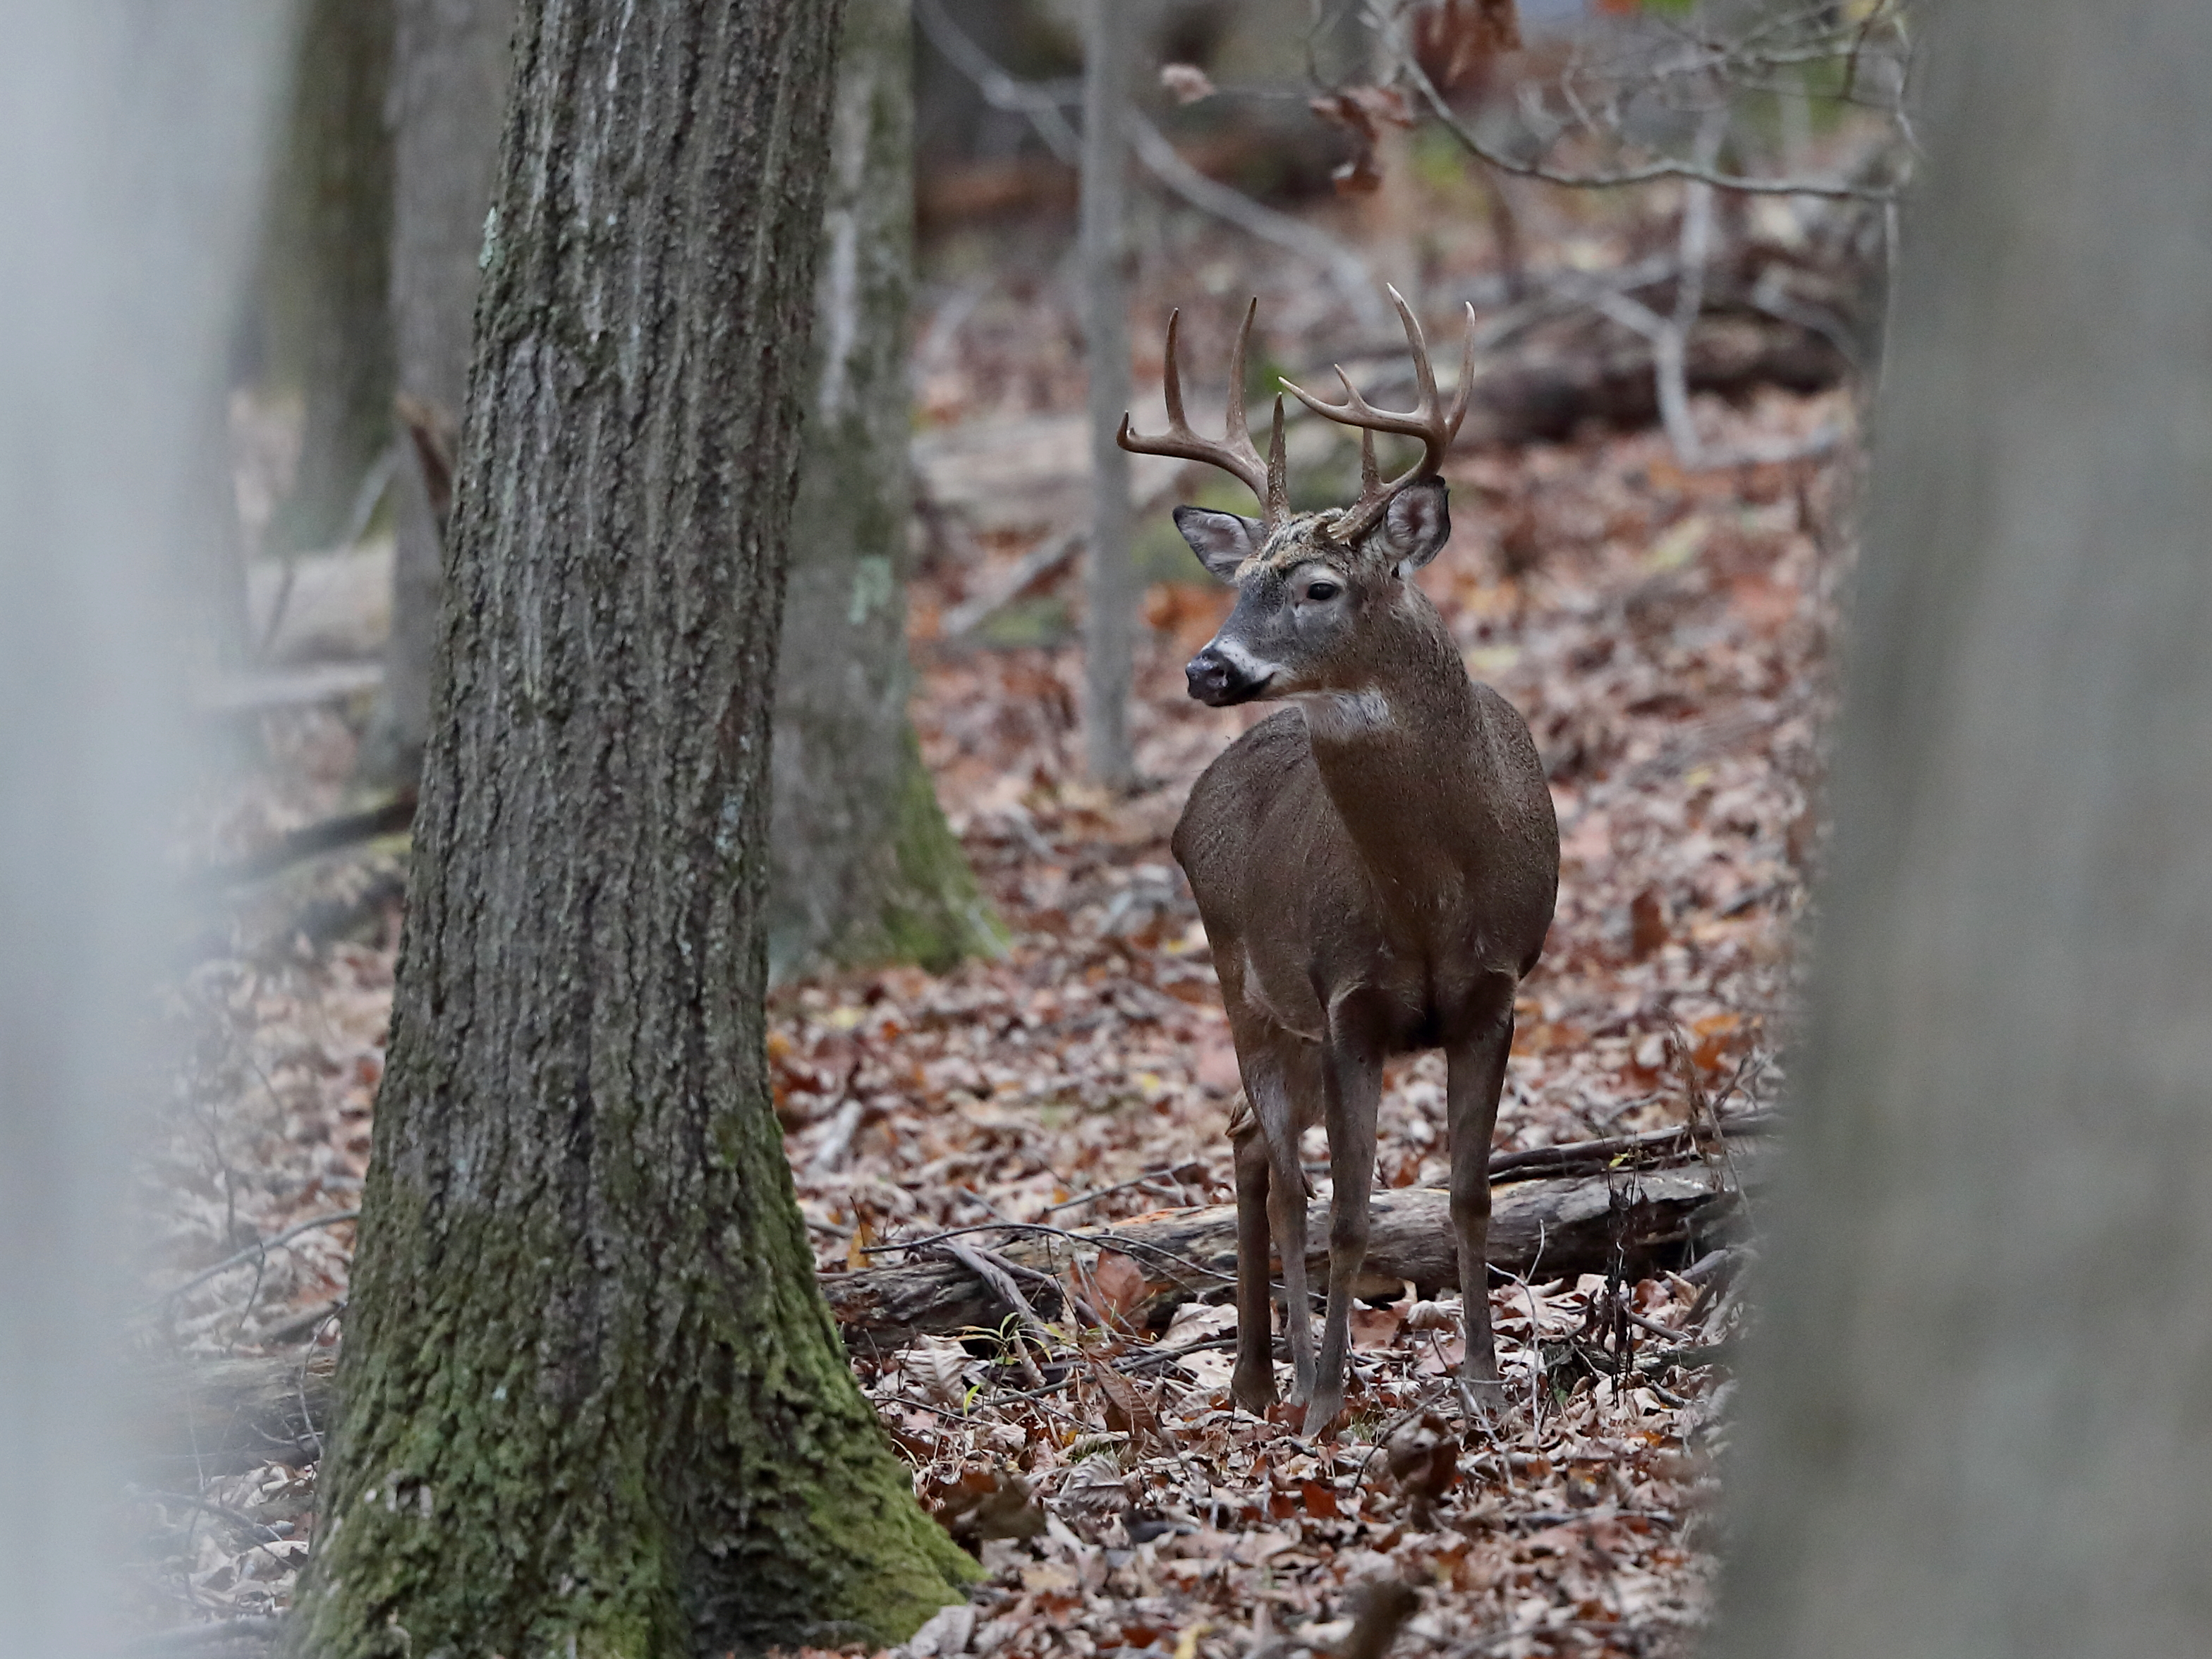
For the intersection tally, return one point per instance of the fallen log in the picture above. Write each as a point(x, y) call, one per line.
point(1546, 1228)
point(196, 1418)
point(216, 1416)
point(1542, 392)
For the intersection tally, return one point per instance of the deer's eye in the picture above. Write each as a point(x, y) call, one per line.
point(1322, 590)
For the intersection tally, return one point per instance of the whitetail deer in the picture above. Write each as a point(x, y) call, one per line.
point(1376, 867)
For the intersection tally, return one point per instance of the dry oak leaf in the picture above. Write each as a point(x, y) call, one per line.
point(1361, 111)
point(1122, 1286)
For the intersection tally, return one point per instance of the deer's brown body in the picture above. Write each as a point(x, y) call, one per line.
point(1376, 868)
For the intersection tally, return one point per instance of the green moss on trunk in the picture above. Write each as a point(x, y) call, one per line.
point(933, 913)
point(594, 1401)
point(865, 869)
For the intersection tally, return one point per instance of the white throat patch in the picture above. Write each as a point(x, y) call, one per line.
point(1342, 714)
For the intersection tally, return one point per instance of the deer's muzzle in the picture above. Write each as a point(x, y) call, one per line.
point(1219, 678)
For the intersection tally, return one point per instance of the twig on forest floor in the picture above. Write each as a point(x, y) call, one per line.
point(260, 1248)
point(1578, 1157)
point(306, 1323)
point(1104, 1239)
point(1002, 1285)
point(260, 1531)
point(1143, 1180)
point(1429, 1397)
point(387, 817)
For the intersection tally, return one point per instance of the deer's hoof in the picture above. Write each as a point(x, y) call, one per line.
point(1254, 1393)
point(1323, 1412)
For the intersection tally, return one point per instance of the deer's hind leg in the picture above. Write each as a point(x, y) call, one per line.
point(1282, 1080)
point(1252, 1385)
point(1354, 1081)
point(1476, 1078)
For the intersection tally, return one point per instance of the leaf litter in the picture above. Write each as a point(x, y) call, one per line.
point(1667, 635)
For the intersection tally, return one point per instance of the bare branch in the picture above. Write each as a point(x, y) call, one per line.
point(1345, 269)
point(1041, 103)
point(1666, 168)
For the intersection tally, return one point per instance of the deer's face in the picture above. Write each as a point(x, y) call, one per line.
point(1308, 608)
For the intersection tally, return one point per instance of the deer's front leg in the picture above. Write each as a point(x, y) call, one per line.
point(1477, 1076)
point(1252, 1385)
point(1355, 1094)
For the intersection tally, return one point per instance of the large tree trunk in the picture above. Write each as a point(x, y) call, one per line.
point(594, 1401)
point(326, 261)
point(865, 867)
point(1978, 1417)
point(449, 69)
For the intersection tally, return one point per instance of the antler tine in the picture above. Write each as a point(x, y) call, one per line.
point(1174, 387)
point(1237, 427)
point(1424, 375)
point(1427, 419)
point(1465, 388)
point(1233, 452)
point(1278, 471)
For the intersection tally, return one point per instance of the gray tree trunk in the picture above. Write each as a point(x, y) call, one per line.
point(593, 1400)
point(864, 866)
point(449, 72)
point(326, 261)
point(1978, 1427)
point(1109, 590)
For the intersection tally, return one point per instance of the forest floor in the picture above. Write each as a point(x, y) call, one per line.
point(1667, 634)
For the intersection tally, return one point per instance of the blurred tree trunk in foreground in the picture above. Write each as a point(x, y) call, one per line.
point(449, 70)
point(132, 135)
point(325, 262)
point(865, 867)
point(594, 1403)
point(1979, 1427)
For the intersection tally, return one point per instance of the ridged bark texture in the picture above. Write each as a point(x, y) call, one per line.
point(1977, 1427)
point(865, 868)
point(594, 1403)
point(449, 68)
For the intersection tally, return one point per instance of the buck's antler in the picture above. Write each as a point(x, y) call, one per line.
point(1234, 453)
point(1428, 421)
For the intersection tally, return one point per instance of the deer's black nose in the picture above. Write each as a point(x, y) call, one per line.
point(1217, 681)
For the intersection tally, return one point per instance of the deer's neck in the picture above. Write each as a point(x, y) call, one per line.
point(1401, 754)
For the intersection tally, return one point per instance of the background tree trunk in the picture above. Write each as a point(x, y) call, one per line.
point(865, 867)
point(326, 262)
point(594, 1401)
point(1980, 1424)
point(449, 71)
point(1110, 584)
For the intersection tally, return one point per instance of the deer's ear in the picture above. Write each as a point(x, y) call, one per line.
point(1222, 540)
point(1415, 525)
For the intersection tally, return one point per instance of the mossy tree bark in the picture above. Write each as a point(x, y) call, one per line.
point(594, 1401)
point(449, 68)
point(865, 867)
